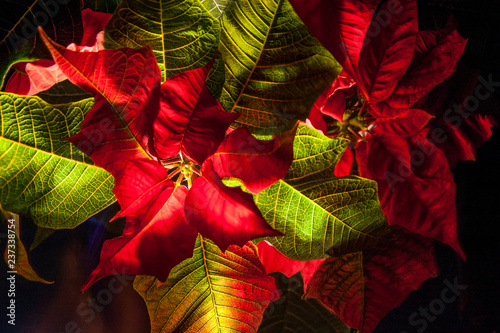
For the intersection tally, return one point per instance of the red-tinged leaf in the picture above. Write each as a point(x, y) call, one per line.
point(274, 261)
point(408, 123)
point(415, 184)
point(362, 287)
point(210, 292)
point(191, 121)
point(344, 166)
point(332, 101)
point(387, 49)
point(125, 84)
point(434, 60)
point(257, 163)
point(226, 215)
point(152, 243)
point(42, 74)
point(340, 26)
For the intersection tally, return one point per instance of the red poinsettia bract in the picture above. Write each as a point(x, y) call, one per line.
point(392, 65)
point(165, 146)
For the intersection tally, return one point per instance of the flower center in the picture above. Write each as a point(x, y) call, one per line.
point(181, 170)
point(355, 122)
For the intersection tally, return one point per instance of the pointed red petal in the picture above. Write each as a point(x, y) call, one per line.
point(408, 123)
point(153, 243)
point(460, 143)
point(190, 121)
point(19, 82)
point(388, 48)
point(434, 60)
point(125, 84)
point(461, 126)
point(274, 261)
point(137, 184)
point(226, 215)
point(257, 163)
point(413, 176)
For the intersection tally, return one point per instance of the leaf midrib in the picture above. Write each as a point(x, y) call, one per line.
point(210, 287)
point(319, 206)
point(51, 154)
point(240, 94)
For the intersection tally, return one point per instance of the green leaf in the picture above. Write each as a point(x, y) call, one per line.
point(41, 175)
point(212, 291)
point(183, 34)
point(317, 211)
point(18, 29)
point(217, 7)
point(275, 69)
point(215, 78)
point(291, 313)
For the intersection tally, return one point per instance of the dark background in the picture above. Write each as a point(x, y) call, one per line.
point(68, 256)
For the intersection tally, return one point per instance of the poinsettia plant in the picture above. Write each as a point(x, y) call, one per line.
point(239, 138)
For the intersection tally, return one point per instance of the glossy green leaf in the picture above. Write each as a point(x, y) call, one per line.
point(183, 34)
point(317, 211)
point(41, 175)
point(210, 292)
point(275, 69)
point(291, 313)
point(217, 7)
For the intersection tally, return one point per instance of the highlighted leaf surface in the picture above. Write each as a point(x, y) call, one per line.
point(217, 7)
point(275, 69)
point(317, 211)
point(210, 292)
point(182, 34)
point(41, 175)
